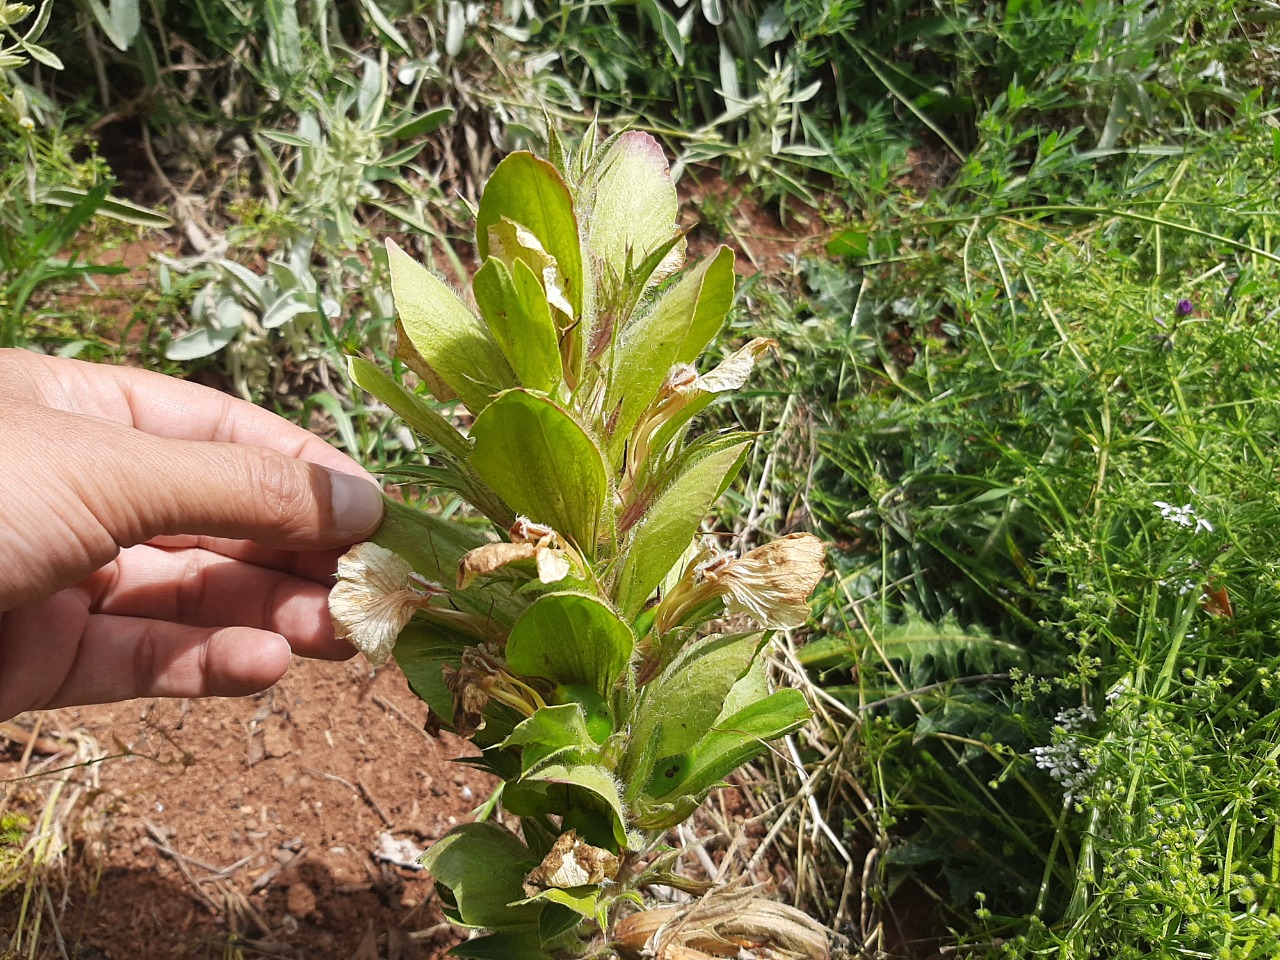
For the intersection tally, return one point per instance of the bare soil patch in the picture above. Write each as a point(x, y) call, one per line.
point(247, 827)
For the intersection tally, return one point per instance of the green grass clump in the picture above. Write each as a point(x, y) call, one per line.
point(1064, 464)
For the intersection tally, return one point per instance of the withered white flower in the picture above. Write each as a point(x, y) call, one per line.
point(529, 541)
point(734, 370)
point(571, 862)
point(772, 583)
point(376, 594)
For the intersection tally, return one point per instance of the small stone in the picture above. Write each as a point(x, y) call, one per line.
point(301, 900)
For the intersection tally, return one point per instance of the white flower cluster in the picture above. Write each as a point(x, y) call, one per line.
point(1183, 516)
point(1062, 758)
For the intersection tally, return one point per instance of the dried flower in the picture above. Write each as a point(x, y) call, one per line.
point(771, 584)
point(376, 594)
point(529, 541)
point(571, 862)
point(509, 242)
point(682, 387)
point(479, 678)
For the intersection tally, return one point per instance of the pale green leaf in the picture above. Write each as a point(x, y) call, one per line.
point(536, 457)
point(682, 703)
point(676, 330)
point(528, 191)
point(384, 26)
point(519, 317)
point(551, 731)
point(451, 340)
point(410, 408)
point(671, 521)
point(198, 343)
point(636, 206)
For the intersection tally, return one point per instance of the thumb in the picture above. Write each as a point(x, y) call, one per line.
point(163, 487)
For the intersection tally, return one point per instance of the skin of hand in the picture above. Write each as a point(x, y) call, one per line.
point(159, 538)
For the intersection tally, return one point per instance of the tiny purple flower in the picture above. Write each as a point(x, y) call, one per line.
point(1185, 307)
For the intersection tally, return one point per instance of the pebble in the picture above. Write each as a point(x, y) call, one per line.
point(301, 900)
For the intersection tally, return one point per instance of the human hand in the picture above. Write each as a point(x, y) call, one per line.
point(159, 538)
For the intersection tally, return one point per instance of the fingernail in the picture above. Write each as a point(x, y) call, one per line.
point(357, 507)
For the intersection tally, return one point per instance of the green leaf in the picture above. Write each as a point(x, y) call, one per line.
point(529, 191)
point(581, 900)
point(410, 408)
point(571, 638)
point(735, 741)
point(540, 461)
point(551, 731)
point(519, 318)
point(421, 124)
point(503, 946)
point(562, 913)
point(676, 330)
point(669, 28)
point(668, 525)
point(389, 164)
point(752, 687)
point(449, 337)
point(434, 547)
point(483, 867)
point(738, 738)
point(636, 206)
point(576, 792)
point(687, 697)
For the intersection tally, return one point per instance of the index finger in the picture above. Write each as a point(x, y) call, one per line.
point(165, 407)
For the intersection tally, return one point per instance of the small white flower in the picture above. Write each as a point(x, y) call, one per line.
point(1183, 516)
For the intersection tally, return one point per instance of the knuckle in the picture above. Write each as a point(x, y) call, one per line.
point(145, 659)
point(286, 498)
